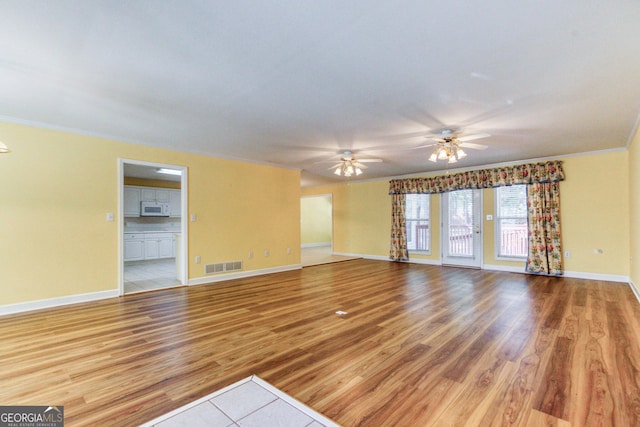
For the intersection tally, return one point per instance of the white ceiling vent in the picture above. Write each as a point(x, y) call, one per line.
point(222, 267)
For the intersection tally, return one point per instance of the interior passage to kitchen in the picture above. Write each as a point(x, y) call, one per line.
point(152, 229)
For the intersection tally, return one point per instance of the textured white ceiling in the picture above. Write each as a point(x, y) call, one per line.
point(294, 83)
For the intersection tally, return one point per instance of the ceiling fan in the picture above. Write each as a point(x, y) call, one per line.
point(348, 165)
point(450, 147)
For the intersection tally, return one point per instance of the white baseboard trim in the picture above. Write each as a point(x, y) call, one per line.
point(374, 257)
point(634, 289)
point(506, 268)
point(242, 274)
point(315, 245)
point(386, 258)
point(95, 296)
point(597, 276)
point(56, 302)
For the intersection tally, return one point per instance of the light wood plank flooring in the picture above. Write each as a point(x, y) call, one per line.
point(419, 346)
point(321, 255)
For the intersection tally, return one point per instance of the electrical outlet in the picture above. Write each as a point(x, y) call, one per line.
point(110, 216)
point(250, 254)
point(266, 252)
point(288, 251)
point(197, 259)
point(567, 254)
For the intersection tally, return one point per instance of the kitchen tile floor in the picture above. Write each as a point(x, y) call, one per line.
point(247, 403)
point(140, 276)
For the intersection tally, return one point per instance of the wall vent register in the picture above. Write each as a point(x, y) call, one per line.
point(222, 267)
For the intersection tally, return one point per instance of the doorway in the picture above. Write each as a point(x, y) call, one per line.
point(316, 229)
point(462, 228)
point(153, 226)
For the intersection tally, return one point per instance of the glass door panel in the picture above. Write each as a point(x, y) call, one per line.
point(461, 228)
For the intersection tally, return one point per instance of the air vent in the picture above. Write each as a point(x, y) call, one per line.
point(222, 267)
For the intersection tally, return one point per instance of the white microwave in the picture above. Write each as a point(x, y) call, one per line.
point(154, 209)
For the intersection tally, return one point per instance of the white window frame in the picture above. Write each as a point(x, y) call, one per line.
point(498, 228)
point(427, 219)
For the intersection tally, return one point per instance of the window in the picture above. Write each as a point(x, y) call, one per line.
point(511, 222)
point(417, 217)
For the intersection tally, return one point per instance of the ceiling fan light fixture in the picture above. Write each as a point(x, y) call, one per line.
point(448, 146)
point(349, 166)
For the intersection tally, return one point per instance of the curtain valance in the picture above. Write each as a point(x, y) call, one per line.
point(529, 173)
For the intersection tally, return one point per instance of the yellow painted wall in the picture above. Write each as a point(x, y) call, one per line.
point(595, 213)
point(361, 216)
point(57, 188)
point(594, 210)
point(634, 209)
point(315, 220)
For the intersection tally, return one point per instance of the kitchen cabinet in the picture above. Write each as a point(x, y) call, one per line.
point(175, 203)
point(133, 195)
point(158, 245)
point(151, 194)
point(143, 246)
point(134, 246)
point(131, 201)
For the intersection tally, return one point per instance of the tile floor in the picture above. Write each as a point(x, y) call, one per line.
point(140, 276)
point(251, 402)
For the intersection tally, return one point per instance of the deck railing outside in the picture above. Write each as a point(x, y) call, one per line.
point(513, 239)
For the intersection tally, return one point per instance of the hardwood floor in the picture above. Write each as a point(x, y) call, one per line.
point(419, 345)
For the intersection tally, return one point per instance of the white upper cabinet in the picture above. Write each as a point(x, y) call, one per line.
point(175, 203)
point(131, 201)
point(150, 194)
point(133, 195)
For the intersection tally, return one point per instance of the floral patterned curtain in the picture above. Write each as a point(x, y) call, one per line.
point(485, 178)
point(543, 199)
point(398, 251)
point(543, 203)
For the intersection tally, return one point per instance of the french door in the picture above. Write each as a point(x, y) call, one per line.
point(462, 228)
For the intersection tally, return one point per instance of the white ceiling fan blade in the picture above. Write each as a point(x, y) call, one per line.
point(335, 166)
point(472, 145)
point(423, 146)
point(370, 160)
point(472, 137)
point(359, 165)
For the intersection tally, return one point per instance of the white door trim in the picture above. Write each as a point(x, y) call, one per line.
point(184, 231)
